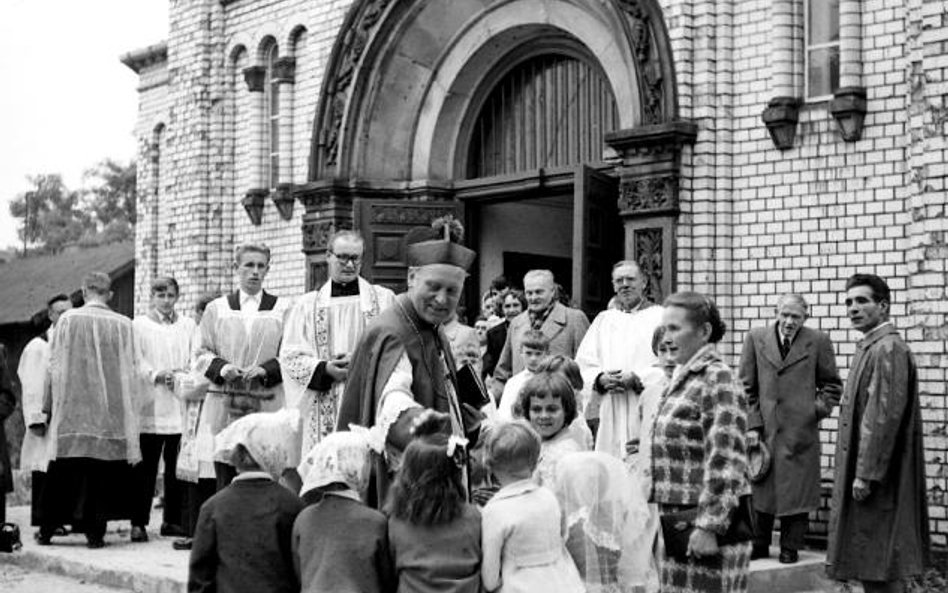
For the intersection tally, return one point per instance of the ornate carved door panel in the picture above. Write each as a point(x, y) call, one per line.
point(597, 238)
point(384, 224)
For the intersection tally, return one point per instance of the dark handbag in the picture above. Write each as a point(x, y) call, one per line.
point(677, 528)
point(9, 537)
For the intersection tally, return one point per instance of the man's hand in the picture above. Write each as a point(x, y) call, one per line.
point(38, 429)
point(753, 438)
point(338, 368)
point(630, 381)
point(632, 447)
point(257, 373)
point(230, 373)
point(165, 378)
point(611, 380)
point(860, 490)
point(702, 543)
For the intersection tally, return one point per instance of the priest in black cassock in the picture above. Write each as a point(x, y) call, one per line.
point(402, 366)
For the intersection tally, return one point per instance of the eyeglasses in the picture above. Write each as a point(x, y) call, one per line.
point(346, 258)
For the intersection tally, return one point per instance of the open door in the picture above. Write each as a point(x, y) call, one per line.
point(597, 238)
point(383, 223)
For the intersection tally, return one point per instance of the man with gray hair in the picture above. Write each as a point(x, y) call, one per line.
point(562, 325)
point(789, 372)
point(617, 362)
point(321, 333)
point(93, 418)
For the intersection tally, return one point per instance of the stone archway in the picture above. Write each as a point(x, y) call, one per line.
point(404, 77)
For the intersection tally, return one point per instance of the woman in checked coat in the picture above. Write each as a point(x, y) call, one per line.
point(698, 449)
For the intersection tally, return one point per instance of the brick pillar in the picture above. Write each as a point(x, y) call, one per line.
point(927, 250)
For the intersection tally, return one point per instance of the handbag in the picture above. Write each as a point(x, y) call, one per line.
point(677, 528)
point(9, 537)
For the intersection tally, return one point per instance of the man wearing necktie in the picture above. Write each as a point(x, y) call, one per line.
point(792, 383)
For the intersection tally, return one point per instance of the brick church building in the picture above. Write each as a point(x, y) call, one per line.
point(742, 148)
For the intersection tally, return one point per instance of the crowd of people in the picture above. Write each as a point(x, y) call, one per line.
point(336, 442)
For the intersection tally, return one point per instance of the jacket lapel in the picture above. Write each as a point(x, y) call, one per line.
point(769, 347)
point(800, 348)
point(555, 322)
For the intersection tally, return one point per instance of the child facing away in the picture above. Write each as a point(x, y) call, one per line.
point(434, 534)
point(339, 544)
point(242, 543)
point(606, 517)
point(522, 526)
point(549, 405)
point(534, 348)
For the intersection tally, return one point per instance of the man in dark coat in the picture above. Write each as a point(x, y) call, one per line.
point(878, 531)
point(789, 372)
point(402, 366)
point(7, 405)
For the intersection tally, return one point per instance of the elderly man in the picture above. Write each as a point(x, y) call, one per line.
point(562, 325)
point(878, 530)
point(403, 365)
point(33, 371)
point(789, 372)
point(93, 426)
point(616, 360)
point(321, 333)
point(240, 340)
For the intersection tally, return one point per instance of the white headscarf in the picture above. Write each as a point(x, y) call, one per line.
point(269, 437)
point(340, 457)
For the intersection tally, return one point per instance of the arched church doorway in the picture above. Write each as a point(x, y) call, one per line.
point(501, 113)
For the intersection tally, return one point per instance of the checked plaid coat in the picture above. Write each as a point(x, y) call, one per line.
point(698, 447)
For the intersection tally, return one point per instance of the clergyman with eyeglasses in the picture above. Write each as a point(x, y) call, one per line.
point(321, 334)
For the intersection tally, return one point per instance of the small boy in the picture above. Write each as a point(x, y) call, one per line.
point(242, 542)
point(534, 348)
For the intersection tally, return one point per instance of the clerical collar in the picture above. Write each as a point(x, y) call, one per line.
point(341, 290)
point(246, 296)
point(642, 304)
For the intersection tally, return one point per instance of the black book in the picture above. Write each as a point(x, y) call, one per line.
point(471, 389)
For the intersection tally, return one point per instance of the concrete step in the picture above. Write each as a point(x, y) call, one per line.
point(154, 567)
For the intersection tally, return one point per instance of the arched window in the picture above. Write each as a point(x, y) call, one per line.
point(271, 92)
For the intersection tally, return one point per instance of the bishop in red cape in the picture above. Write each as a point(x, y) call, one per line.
point(403, 366)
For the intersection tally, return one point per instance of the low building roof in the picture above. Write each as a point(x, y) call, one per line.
point(27, 283)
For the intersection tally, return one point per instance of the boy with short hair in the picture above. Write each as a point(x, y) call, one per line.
point(534, 348)
point(243, 540)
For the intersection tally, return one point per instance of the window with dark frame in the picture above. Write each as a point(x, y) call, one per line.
point(271, 91)
point(821, 52)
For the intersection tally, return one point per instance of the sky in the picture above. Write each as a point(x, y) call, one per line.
point(67, 100)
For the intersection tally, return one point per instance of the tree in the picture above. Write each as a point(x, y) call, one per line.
point(50, 213)
point(112, 194)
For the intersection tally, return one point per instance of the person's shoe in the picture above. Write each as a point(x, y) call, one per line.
point(43, 539)
point(61, 531)
point(94, 543)
point(788, 556)
point(170, 530)
point(139, 534)
point(759, 552)
point(182, 544)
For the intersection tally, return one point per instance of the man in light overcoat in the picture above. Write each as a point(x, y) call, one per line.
point(789, 372)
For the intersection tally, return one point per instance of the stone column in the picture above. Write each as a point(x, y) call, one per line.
point(284, 75)
point(648, 197)
point(255, 197)
point(849, 101)
point(328, 208)
point(783, 109)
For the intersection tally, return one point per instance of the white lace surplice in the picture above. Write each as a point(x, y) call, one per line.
point(161, 347)
point(32, 371)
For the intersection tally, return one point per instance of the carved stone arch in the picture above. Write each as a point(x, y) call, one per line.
point(402, 78)
point(236, 52)
point(293, 38)
point(267, 42)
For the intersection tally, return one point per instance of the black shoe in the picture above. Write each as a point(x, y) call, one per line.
point(139, 534)
point(182, 544)
point(758, 552)
point(94, 543)
point(171, 530)
point(788, 556)
point(43, 539)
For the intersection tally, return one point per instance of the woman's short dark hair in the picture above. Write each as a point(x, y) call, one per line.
point(515, 293)
point(428, 488)
point(700, 310)
point(657, 336)
point(547, 384)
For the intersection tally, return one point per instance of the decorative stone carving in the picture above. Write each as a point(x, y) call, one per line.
point(651, 79)
point(255, 76)
point(346, 61)
point(253, 203)
point(283, 199)
point(649, 254)
point(781, 117)
point(316, 235)
point(649, 195)
point(410, 215)
point(284, 70)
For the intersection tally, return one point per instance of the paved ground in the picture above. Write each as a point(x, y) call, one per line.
point(14, 579)
point(154, 567)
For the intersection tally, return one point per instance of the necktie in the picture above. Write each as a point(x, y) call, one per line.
point(786, 347)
